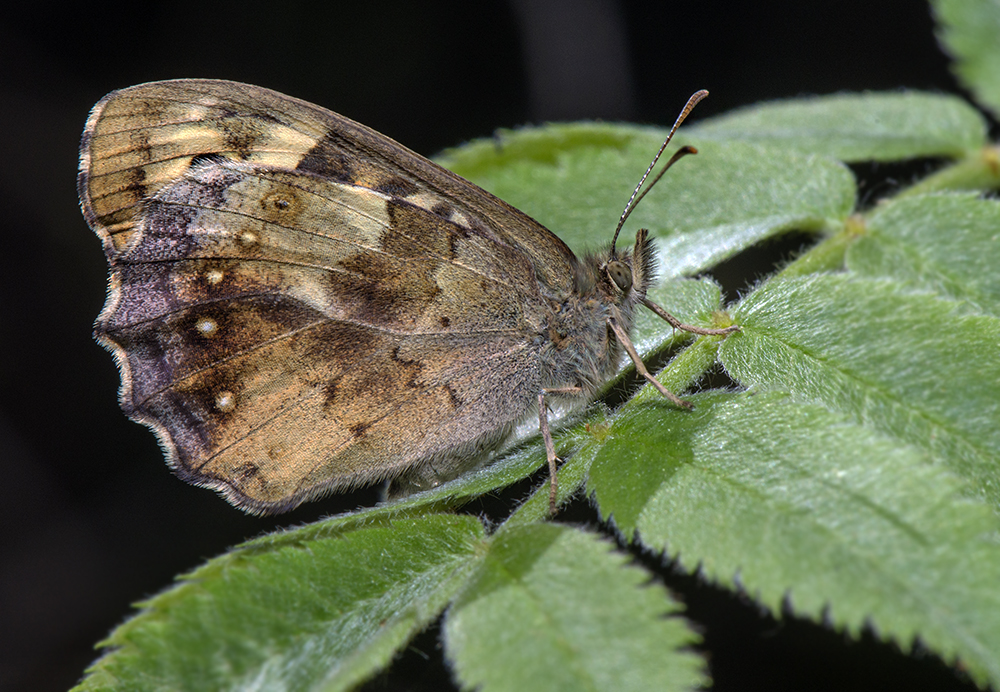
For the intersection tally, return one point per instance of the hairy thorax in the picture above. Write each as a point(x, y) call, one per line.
point(577, 349)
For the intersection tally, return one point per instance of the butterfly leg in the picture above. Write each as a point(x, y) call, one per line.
point(640, 366)
point(550, 447)
point(677, 324)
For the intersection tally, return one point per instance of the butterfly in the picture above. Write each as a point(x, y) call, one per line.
point(299, 305)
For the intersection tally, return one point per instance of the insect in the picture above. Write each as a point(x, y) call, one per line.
point(300, 305)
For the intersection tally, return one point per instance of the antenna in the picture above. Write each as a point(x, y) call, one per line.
point(634, 200)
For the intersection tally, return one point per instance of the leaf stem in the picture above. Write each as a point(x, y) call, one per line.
point(828, 254)
point(979, 170)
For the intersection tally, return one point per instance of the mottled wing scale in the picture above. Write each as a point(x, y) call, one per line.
point(297, 303)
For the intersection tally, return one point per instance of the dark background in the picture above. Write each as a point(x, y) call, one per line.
point(91, 518)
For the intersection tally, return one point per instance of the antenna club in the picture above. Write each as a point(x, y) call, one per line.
point(634, 199)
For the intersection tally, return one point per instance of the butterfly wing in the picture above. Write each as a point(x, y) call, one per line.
point(141, 138)
point(297, 303)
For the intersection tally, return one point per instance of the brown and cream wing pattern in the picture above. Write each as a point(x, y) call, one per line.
point(147, 135)
point(292, 310)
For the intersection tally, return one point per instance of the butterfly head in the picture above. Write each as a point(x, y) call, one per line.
point(623, 276)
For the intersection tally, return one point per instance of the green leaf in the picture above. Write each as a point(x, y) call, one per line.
point(576, 179)
point(789, 501)
point(911, 365)
point(949, 244)
point(858, 127)
point(555, 608)
point(322, 614)
point(969, 30)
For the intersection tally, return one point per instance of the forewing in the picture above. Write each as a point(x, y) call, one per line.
point(141, 138)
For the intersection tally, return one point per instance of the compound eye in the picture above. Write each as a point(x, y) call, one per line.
point(620, 274)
